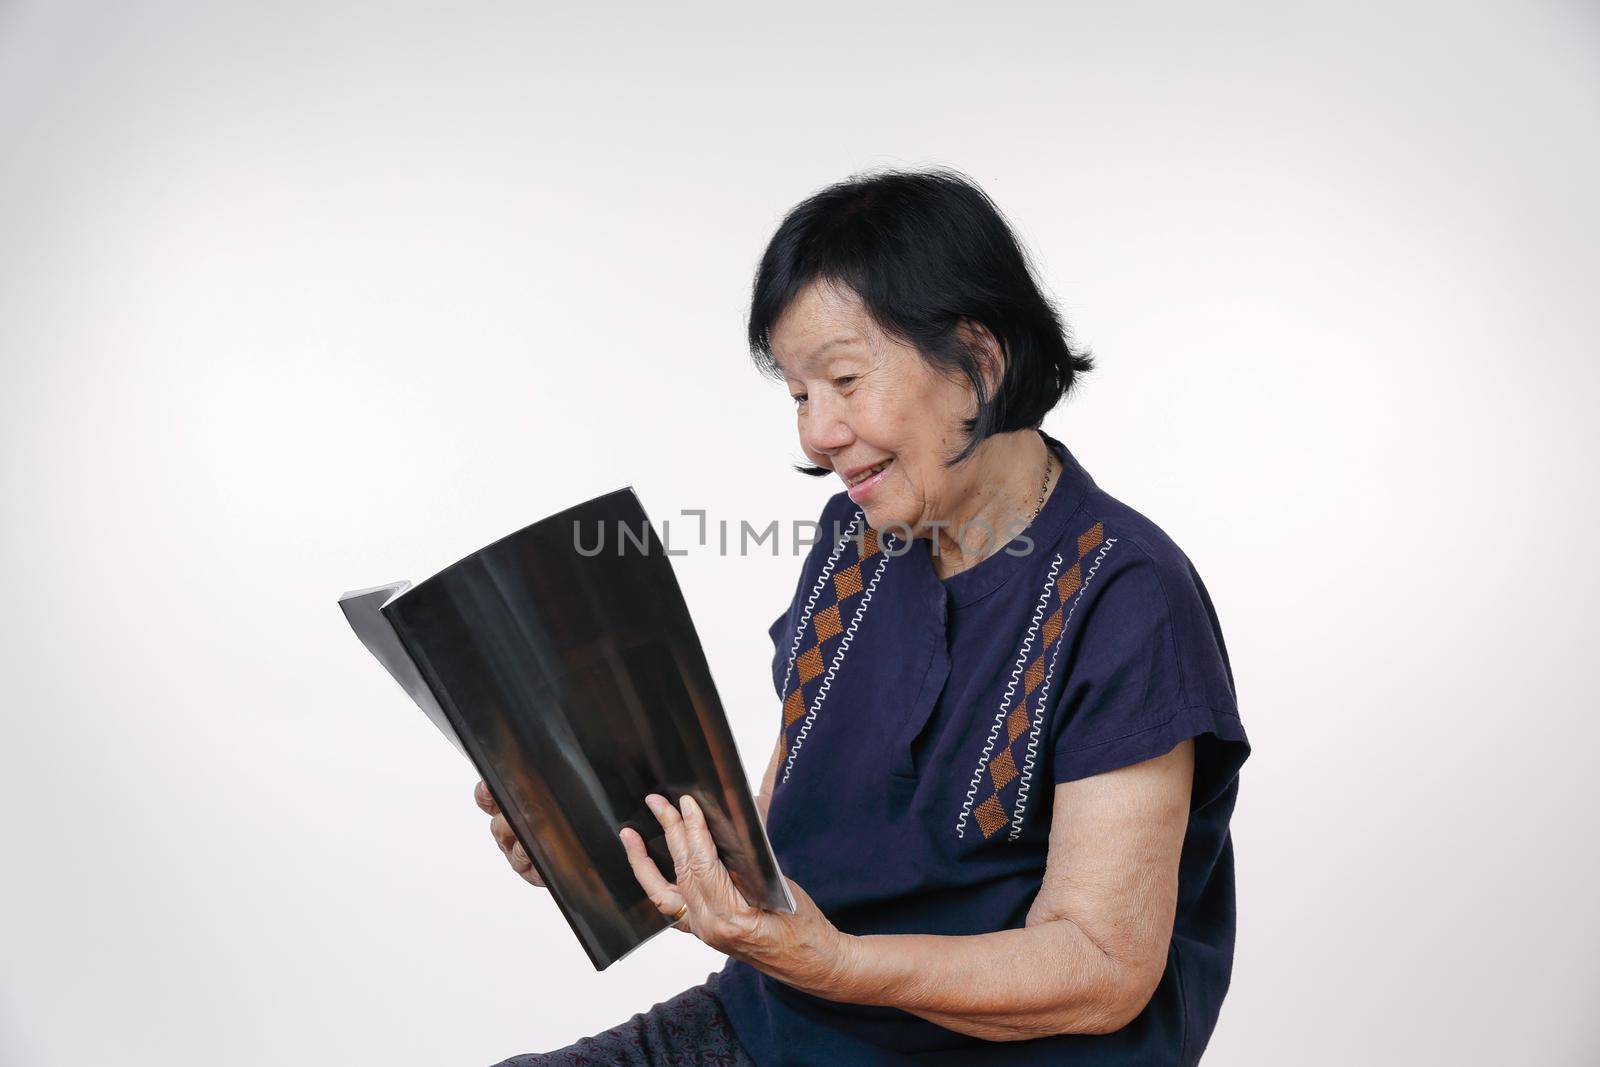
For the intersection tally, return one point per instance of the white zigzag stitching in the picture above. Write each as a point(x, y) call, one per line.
point(838, 657)
point(1044, 692)
point(1005, 700)
point(811, 601)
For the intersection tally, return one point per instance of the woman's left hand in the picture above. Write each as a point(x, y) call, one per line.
point(803, 949)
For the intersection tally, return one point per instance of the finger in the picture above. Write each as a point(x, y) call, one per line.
point(485, 799)
point(502, 832)
point(662, 893)
point(672, 825)
point(522, 863)
point(703, 857)
point(698, 846)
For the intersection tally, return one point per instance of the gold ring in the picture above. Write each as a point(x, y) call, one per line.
point(678, 918)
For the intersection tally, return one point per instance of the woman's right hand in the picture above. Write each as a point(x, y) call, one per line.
point(506, 838)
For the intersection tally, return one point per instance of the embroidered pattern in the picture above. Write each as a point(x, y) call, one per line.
point(996, 772)
point(1044, 695)
point(1005, 700)
point(830, 637)
point(811, 601)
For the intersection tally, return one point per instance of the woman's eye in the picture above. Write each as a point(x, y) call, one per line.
point(845, 381)
point(798, 398)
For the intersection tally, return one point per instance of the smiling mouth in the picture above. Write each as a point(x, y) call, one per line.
point(869, 472)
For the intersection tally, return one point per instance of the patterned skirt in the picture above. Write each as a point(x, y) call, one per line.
point(690, 1028)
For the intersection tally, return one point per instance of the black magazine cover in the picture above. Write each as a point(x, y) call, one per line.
point(563, 662)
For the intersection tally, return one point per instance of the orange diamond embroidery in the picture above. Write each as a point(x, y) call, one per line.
point(810, 663)
point(1003, 768)
point(847, 583)
point(991, 816)
point(828, 624)
point(1017, 721)
point(1035, 675)
point(794, 706)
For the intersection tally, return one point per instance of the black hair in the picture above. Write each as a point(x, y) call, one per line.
point(925, 250)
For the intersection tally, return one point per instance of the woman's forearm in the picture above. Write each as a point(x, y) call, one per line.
point(1046, 978)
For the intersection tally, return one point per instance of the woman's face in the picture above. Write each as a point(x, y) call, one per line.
point(872, 411)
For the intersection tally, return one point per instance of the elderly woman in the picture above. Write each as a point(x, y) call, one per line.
point(1008, 747)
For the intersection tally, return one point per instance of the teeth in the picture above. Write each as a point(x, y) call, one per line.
point(869, 472)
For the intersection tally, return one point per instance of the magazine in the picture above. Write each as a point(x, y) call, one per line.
point(562, 661)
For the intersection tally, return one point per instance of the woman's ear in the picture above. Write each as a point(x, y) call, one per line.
point(991, 359)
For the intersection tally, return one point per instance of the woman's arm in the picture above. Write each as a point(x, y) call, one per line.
point(1090, 955)
point(1095, 942)
point(770, 778)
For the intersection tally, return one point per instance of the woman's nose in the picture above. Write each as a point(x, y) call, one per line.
point(822, 429)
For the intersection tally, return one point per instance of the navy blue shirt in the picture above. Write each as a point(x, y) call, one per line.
point(926, 724)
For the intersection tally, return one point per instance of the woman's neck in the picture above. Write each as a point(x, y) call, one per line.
point(1008, 474)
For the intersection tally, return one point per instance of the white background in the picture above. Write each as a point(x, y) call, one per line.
point(297, 298)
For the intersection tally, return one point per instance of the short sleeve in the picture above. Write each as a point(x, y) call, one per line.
point(1146, 669)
